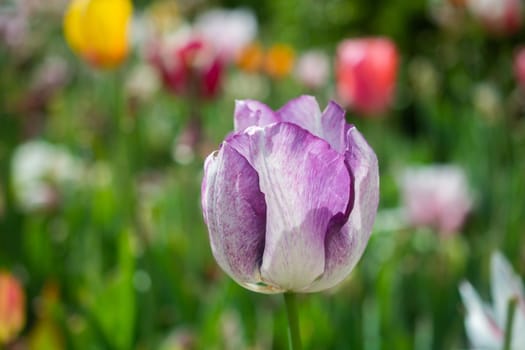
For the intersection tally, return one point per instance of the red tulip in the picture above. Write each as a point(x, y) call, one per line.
point(519, 66)
point(12, 307)
point(366, 72)
point(188, 65)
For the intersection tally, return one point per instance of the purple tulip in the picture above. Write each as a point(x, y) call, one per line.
point(290, 197)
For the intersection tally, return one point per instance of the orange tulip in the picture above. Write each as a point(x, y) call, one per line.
point(250, 58)
point(12, 307)
point(279, 61)
point(97, 30)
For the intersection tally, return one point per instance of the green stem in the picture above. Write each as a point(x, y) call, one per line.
point(511, 309)
point(293, 321)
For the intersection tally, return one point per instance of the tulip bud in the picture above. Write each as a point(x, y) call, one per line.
point(97, 30)
point(12, 307)
point(290, 197)
point(498, 16)
point(366, 72)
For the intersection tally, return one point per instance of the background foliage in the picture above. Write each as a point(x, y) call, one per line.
point(123, 261)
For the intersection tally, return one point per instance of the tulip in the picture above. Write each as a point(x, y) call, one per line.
point(279, 61)
point(436, 196)
point(38, 170)
point(366, 72)
point(230, 31)
point(251, 58)
point(188, 65)
point(290, 197)
point(12, 307)
point(313, 68)
point(498, 16)
point(97, 30)
point(519, 66)
point(485, 325)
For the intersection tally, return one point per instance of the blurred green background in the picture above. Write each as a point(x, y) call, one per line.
point(119, 258)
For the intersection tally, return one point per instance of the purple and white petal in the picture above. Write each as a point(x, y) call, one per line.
point(334, 126)
point(344, 247)
point(305, 183)
point(330, 125)
point(235, 213)
point(303, 111)
point(252, 113)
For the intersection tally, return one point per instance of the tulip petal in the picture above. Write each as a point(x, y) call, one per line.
point(303, 111)
point(235, 214)
point(480, 324)
point(252, 113)
point(346, 241)
point(306, 183)
point(506, 284)
point(330, 125)
point(334, 126)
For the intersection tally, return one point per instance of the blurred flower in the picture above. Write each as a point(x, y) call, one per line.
point(185, 145)
point(50, 76)
point(366, 72)
point(487, 101)
point(436, 196)
point(14, 27)
point(313, 68)
point(12, 307)
point(38, 169)
point(143, 82)
point(485, 325)
point(251, 58)
point(498, 16)
point(188, 65)
point(290, 197)
point(97, 30)
point(424, 77)
point(230, 31)
point(279, 61)
point(519, 66)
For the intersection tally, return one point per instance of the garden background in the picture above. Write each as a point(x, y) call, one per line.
point(109, 243)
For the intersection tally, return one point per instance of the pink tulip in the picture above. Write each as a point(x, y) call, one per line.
point(436, 196)
point(188, 65)
point(519, 66)
point(313, 69)
point(498, 16)
point(12, 307)
point(366, 72)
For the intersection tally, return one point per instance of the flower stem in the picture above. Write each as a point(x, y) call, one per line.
point(293, 321)
point(511, 309)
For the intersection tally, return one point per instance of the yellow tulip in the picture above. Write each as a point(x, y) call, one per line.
point(97, 30)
